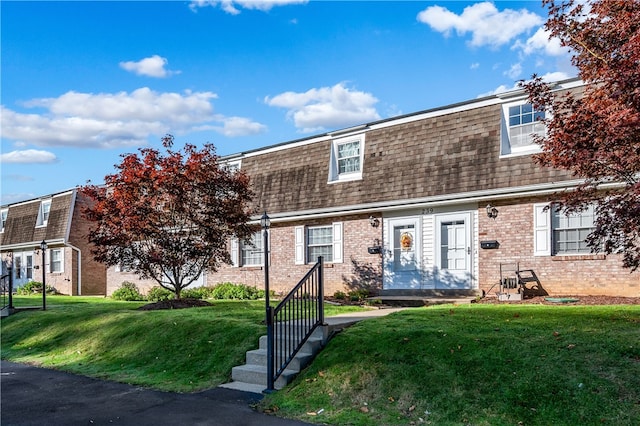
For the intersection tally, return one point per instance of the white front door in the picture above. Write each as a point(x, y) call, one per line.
point(22, 268)
point(453, 250)
point(402, 259)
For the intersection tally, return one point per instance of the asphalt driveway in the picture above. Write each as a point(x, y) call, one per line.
point(38, 396)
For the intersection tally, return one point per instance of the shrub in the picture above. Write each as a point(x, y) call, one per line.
point(128, 291)
point(358, 295)
point(194, 293)
point(33, 287)
point(159, 294)
point(236, 291)
point(340, 295)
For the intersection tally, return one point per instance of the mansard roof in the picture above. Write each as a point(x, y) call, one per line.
point(446, 153)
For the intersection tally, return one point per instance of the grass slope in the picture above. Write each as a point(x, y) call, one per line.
point(180, 350)
point(476, 364)
point(445, 365)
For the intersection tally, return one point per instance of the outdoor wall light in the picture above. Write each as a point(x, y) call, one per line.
point(492, 212)
point(374, 221)
point(43, 246)
point(265, 222)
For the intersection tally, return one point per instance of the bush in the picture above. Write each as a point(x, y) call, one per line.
point(340, 295)
point(196, 293)
point(236, 291)
point(33, 287)
point(128, 291)
point(159, 294)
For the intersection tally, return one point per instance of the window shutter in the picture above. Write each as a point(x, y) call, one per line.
point(337, 242)
point(235, 255)
point(541, 230)
point(47, 261)
point(299, 247)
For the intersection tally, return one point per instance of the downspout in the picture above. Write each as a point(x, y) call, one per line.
point(79, 289)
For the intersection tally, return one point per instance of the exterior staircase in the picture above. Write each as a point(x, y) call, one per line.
point(252, 376)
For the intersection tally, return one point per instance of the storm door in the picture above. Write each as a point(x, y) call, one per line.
point(453, 250)
point(402, 260)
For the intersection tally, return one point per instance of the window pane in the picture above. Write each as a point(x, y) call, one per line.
point(320, 243)
point(349, 157)
point(252, 251)
point(570, 232)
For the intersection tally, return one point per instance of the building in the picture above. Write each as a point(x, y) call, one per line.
point(57, 220)
point(439, 201)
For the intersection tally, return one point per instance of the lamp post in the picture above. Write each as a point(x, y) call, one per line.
point(265, 222)
point(43, 247)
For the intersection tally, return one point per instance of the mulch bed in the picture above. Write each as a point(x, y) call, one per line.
point(174, 304)
point(581, 300)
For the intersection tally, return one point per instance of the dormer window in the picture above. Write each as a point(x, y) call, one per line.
point(3, 217)
point(520, 123)
point(231, 166)
point(43, 213)
point(347, 156)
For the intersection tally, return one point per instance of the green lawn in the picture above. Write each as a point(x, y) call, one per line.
point(444, 365)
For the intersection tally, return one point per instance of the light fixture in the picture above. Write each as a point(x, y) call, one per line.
point(492, 212)
point(43, 246)
point(374, 221)
point(265, 222)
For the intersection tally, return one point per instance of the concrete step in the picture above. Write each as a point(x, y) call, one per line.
point(259, 357)
point(312, 345)
point(257, 374)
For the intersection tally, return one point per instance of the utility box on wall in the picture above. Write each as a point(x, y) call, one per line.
point(490, 244)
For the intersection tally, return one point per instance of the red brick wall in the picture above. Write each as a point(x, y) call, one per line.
point(94, 274)
point(284, 273)
point(559, 275)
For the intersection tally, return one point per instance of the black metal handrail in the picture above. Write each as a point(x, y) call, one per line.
point(293, 321)
point(6, 291)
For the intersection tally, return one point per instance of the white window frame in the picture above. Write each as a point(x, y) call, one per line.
point(232, 166)
point(334, 162)
point(245, 246)
point(238, 246)
point(507, 148)
point(52, 262)
point(302, 248)
point(43, 213)
point(4, 213)
point(544, 229)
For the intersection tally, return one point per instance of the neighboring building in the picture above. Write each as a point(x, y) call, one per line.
point(57, 220)
point(402, 203)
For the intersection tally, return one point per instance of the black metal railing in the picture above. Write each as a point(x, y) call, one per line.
point(6, 290)
point(293, 321)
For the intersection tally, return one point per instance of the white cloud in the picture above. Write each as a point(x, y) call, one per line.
point(153, 66)
point(487, 25)
point(514, 71)
point(475, 66)
point(29, 156)
point(16, 197)
point(108, 120)
point(326, 107)
point(542, 42)
point(229, 6)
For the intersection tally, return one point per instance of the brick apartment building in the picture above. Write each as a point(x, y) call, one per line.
point(441, 200)
point(57, 220)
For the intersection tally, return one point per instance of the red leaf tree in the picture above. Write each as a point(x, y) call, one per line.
point(596, 135)
point(168, 217)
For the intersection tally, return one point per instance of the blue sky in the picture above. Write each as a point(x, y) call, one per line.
point(83, 82)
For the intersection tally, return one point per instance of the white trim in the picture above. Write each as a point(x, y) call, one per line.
point(299, 245)
point(235, 252)
point(337, 242)
point(433, 201)
point(334, 168)
point(541, 230)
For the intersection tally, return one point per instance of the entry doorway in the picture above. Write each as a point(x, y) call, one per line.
point(453, 251)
